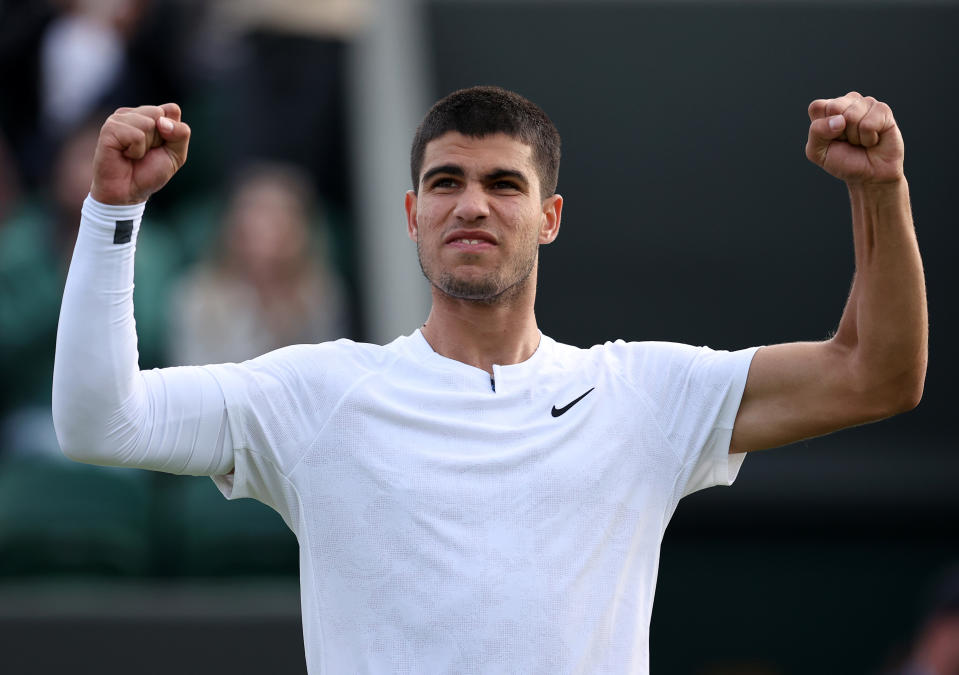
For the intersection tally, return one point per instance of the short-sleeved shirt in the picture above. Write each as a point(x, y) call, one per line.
point(450, 521)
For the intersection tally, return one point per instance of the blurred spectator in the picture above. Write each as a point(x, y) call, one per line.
point(36, 243)
point(64, 59)
point(935, 650)
point(330, 18)
point(83, 54)
point(269, 283)
point(287, 78)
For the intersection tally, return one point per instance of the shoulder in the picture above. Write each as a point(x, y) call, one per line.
point(651, 349)
point(300, 377)
point(639, 365)
point(620, 354)
point(325, 358)
point(653, 365)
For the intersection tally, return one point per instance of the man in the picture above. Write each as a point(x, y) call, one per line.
point(476, 497)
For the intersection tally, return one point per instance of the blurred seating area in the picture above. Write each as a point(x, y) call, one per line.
point(60, 518)
point(250, 248)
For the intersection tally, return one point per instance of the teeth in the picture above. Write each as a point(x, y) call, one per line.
point(469, 241)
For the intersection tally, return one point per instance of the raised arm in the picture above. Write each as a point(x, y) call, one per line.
point(875, 365)
point(105, 410)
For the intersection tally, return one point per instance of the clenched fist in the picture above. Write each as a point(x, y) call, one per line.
point(855, 138)
point(139, 150)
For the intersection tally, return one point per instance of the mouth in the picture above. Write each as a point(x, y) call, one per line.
point(470, 239)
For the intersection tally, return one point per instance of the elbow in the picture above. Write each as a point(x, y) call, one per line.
point(94, 431)
point(88, 448)
point(883, 383)
point(66, 435)
point(71, 421)
point(78, 452)
point(75, 442)
point(902, 401)
point(74, 449)
point(80, 437)
point(91, 427)
point(899, 395)
point(911, 384)
point(911, 393)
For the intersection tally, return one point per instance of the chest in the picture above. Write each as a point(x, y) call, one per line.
point(516, 454)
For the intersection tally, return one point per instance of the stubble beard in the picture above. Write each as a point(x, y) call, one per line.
point(491, 289)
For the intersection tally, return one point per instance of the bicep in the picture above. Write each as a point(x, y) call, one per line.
point(800, 390)
point(184, 428)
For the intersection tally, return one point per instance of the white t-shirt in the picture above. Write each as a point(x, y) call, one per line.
point(445, 526)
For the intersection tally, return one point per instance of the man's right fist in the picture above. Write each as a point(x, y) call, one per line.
point(139, 150)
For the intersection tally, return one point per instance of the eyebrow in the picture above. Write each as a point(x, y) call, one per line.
point(450, 169)
point(455, 170)
point(507, 173)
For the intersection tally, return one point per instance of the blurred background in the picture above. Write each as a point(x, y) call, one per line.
point(691, 215)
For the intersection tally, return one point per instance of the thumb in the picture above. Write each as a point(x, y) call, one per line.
point(822, 133)
point(176, 138)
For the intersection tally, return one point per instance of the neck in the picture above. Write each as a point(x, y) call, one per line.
point(481, 334)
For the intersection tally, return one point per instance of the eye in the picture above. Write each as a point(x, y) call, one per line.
point(446, 183)
point(506, 185)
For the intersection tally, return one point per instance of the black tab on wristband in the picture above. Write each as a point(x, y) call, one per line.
point(124, 232)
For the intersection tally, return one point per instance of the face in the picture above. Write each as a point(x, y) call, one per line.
point(267, 231)
point(478, 218)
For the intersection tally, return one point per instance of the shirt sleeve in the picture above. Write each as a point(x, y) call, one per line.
point(723, 376)
point(277, 405)
point(105, 410)
point(695, 394)
point(269, 425)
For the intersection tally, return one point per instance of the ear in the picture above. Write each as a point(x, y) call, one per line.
point(552, 214)
point(411, 227)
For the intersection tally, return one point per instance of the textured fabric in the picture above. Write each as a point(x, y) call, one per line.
point(444, 525)
point(105, 410)
point(447, 527)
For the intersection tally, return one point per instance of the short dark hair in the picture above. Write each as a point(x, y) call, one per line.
point(482, 111)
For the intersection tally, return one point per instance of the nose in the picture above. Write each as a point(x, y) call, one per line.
point(472, 204)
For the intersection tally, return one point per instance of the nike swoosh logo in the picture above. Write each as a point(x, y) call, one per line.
point(556, 412)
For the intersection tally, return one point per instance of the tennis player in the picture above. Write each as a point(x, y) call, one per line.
point(475, 497)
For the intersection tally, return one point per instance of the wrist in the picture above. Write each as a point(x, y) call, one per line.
point(109, 198)
point(112, 222)
point(884, 192)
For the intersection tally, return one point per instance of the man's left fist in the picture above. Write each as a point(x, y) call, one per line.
point(855, 138)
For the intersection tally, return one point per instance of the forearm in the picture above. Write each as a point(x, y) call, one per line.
point(105, 410)
point(885, 322)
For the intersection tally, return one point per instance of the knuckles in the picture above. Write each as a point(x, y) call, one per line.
point(864, 114)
